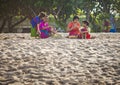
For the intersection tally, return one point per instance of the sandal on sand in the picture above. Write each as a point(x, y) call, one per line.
point(72, 37)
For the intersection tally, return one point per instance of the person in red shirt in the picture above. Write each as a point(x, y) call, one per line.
point(73, 27)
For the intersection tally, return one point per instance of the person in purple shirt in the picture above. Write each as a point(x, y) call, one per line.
point(45, 29)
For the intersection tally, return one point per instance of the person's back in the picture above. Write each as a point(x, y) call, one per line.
point(34, 22)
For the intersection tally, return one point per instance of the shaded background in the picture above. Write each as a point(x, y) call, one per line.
point(15, 15)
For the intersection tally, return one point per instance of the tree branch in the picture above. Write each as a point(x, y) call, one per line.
point(18, 22)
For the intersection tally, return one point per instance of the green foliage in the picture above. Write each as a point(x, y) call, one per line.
point(61, 10)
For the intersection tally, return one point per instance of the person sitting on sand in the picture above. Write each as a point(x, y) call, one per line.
point(34, 24)
point(85, 30)
point(44, 28)
point(73, 27)
point(106, 25)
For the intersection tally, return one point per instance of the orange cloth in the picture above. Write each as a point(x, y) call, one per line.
point(76, 30)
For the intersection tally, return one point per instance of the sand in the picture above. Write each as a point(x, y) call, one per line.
point(59, 61)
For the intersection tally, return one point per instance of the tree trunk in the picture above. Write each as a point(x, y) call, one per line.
point(3, 25)
point(16, 23)
point(9, 24)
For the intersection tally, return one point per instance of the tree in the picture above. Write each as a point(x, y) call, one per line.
point(10, 9)
point(60, 9)
point(8, 12)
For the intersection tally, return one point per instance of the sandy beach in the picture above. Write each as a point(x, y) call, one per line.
point(59, 61)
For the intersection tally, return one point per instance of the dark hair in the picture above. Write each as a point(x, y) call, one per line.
point(41, 15)
point(86, 22)
point(75, 17)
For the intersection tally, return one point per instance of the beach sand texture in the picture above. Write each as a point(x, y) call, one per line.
point(59, 61)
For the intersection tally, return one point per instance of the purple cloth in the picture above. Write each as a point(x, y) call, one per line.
point(83, 29)
point(44, 32)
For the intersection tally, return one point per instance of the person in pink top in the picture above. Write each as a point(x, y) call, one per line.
point(45, 29)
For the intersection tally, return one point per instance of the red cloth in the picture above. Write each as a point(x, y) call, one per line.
point(75, 31)
point(87, 33)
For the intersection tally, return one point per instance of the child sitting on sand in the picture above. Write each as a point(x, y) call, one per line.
point(85, 31)
point(44, 28)
point(73, 28)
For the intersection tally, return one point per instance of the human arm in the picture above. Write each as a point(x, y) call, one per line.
point(45, 25)
point(71, 26)
point(68, 29)
point(84, 30)
point(89, 29)
point(38, 28)
point(76, 25)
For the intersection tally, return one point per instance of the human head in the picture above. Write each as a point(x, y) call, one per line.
point(45, 18)
point(41, 15)
point(85, 23)
point(75, 18)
